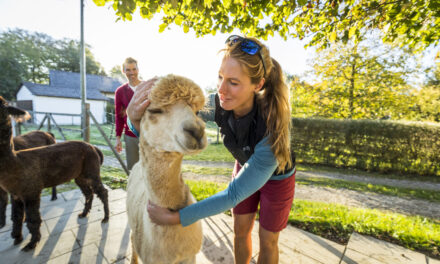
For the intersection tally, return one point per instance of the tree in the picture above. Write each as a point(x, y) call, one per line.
point(363, 80)
point(68, 55)
point(28, 56)
point(116, 73)
point(11, 74)
point(409, 22)
point(433, 76)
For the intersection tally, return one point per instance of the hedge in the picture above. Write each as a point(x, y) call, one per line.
point(373, 145)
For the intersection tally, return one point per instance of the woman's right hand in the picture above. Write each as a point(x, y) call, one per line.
point(139, 102)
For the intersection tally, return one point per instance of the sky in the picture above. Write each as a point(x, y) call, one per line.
point(158, 54)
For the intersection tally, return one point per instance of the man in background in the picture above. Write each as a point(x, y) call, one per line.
point(123, 95)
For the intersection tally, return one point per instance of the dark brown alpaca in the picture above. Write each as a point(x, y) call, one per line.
point(29, 140)
point(25, 173)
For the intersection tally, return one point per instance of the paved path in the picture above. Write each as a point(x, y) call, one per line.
point(67, 239)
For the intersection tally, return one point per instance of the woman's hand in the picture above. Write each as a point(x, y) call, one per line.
point(162, 216)
point(139, 102)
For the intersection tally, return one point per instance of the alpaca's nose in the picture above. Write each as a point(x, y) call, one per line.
point(195, 130)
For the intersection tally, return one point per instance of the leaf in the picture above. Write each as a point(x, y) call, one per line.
point(332, 36)
point(351, 32)
point(302, 2)
point(178, 20)
point(185, 28)
point(99, 2)
point(162, 27)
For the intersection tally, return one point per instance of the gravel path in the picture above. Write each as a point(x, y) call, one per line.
point(337, 196)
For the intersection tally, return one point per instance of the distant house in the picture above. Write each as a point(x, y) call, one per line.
point(62, 96)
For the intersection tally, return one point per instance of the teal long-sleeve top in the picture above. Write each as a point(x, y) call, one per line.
point(253, 175)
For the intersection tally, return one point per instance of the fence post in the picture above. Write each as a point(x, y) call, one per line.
point(48, 122)
point(57, 126)
point(109, 143)
point(42, 122)
point(87, 123)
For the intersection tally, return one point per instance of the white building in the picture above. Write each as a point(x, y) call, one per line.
point(62, 96)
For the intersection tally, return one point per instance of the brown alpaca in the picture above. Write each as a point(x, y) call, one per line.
point(25, 173)
point(29, 140)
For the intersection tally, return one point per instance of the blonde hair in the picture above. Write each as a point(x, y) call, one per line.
point(273, 98)
point(128, 61)
point(172, 88)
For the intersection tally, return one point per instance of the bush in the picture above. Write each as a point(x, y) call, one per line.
point(374, 145)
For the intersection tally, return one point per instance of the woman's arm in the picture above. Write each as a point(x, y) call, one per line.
point(252, 176)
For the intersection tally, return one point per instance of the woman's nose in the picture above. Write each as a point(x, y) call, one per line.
point(221, 87)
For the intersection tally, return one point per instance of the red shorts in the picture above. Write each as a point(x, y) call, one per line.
point(275, 199)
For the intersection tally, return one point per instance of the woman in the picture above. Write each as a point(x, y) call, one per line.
point(253, 113)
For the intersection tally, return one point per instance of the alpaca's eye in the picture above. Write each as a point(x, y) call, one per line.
point(155, 111)
point(197, 113)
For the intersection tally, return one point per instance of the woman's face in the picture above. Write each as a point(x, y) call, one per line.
point(235, 90)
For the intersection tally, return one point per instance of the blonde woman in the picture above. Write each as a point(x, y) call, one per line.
point(253, 113)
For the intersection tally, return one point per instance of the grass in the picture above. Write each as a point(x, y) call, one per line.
point(213, 152)
point(337, 222)
point(67, 186)
point(115, 178)
point(73, 132)
point(207, 170)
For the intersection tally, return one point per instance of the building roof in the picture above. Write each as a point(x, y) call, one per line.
point(67, 85)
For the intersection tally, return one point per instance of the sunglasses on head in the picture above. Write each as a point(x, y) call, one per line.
point(248, 46)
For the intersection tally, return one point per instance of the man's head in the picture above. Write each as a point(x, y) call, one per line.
point(131, 71)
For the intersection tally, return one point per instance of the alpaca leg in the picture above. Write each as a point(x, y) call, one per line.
point(33, 221)
point(134, 256)
point(54, 193)
point(17, 219)
point(3, 205)
point(102, 193)
point(88, 194)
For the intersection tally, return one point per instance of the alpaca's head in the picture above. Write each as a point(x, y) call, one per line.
point(170, 122)
point(6, 110)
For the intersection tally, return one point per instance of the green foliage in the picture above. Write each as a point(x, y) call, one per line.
point(72, 132)
point(427, 103)
point(410, 22)
point(385, 146)
point(28, 56)
point(68, 54)
point(116, 73)
point(214, 152)
point(113, 177)
point(367, 80)
point(207, 170)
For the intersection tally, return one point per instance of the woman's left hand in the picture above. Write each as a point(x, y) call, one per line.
point(162, 216)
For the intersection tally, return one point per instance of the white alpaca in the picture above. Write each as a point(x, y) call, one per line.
point(170, 128)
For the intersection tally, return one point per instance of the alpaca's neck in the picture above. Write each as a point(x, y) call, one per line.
point(5, 137)
point(163, 173)
point(7, 155)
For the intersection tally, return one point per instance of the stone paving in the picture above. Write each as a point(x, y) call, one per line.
point(67, 239)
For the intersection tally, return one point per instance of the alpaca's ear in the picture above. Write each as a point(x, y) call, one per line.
point(16, 112)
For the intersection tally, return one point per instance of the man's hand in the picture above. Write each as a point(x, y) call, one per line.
point(118, 145)
point(139, 102)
